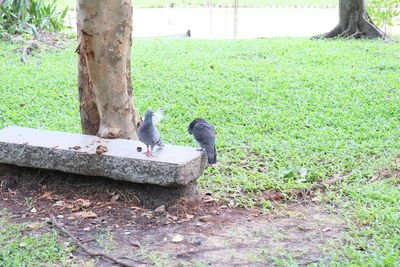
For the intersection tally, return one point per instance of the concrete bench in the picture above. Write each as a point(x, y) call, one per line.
point(174, 165)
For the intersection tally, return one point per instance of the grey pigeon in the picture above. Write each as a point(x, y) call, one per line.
point(149, 134)
point(204, 133)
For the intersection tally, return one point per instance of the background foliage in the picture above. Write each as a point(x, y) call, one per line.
point(384, 12)
point(22, 16)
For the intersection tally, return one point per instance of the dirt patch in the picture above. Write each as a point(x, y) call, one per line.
point(124, 220)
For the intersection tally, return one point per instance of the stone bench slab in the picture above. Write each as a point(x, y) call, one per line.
point(76, 153)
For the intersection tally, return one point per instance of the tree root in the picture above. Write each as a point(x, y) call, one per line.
point(92, 252)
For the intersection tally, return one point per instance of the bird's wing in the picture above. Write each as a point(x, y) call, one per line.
point(204, 134)
point(155, 134)
point(158, 115)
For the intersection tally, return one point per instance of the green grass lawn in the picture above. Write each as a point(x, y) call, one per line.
point(289, 113)
point(22, 246)
point(198, 3)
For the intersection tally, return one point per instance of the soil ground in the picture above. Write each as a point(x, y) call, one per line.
point(124, 220)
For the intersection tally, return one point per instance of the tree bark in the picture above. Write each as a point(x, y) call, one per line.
point(354, 22)
point(104, 69)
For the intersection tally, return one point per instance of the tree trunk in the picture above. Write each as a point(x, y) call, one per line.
point(104, 69)
point(354, 22)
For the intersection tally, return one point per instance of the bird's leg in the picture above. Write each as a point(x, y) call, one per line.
point(148, 152)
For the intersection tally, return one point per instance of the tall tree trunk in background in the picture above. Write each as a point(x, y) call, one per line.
point(354, 22)
point(104, 70)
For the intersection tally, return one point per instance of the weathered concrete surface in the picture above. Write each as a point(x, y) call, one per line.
point(76, 153)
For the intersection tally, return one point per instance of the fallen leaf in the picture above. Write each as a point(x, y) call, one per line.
point(83, 203)
point(189, 216)
point(46, 195)
point(75, 147)
point(22, 244)
point(35, 225)
point(326, 229)
point(22, 105)
point(87, 214)
point(209, 200)
point(115, 198)
point(160, 209)
point(177, 239)
point(212, 67)
point(59, 203)
point(63, 204)
point(75, 209)
point(205, 218)
point(86, 229)
point(135, 243)
point(174, 218)
point(101, 149)
point(136, 208)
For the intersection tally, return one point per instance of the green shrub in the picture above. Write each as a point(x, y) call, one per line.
point(22, 16)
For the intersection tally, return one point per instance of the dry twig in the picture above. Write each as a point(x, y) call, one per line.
point(91, 251)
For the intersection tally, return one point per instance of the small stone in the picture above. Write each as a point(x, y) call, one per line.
point(196, 241)
point(316, 199)
point(33, 210)
point(60, 216)
point(177, 239)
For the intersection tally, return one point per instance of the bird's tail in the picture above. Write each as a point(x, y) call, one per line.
point(211, 154)
point(160, 143)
